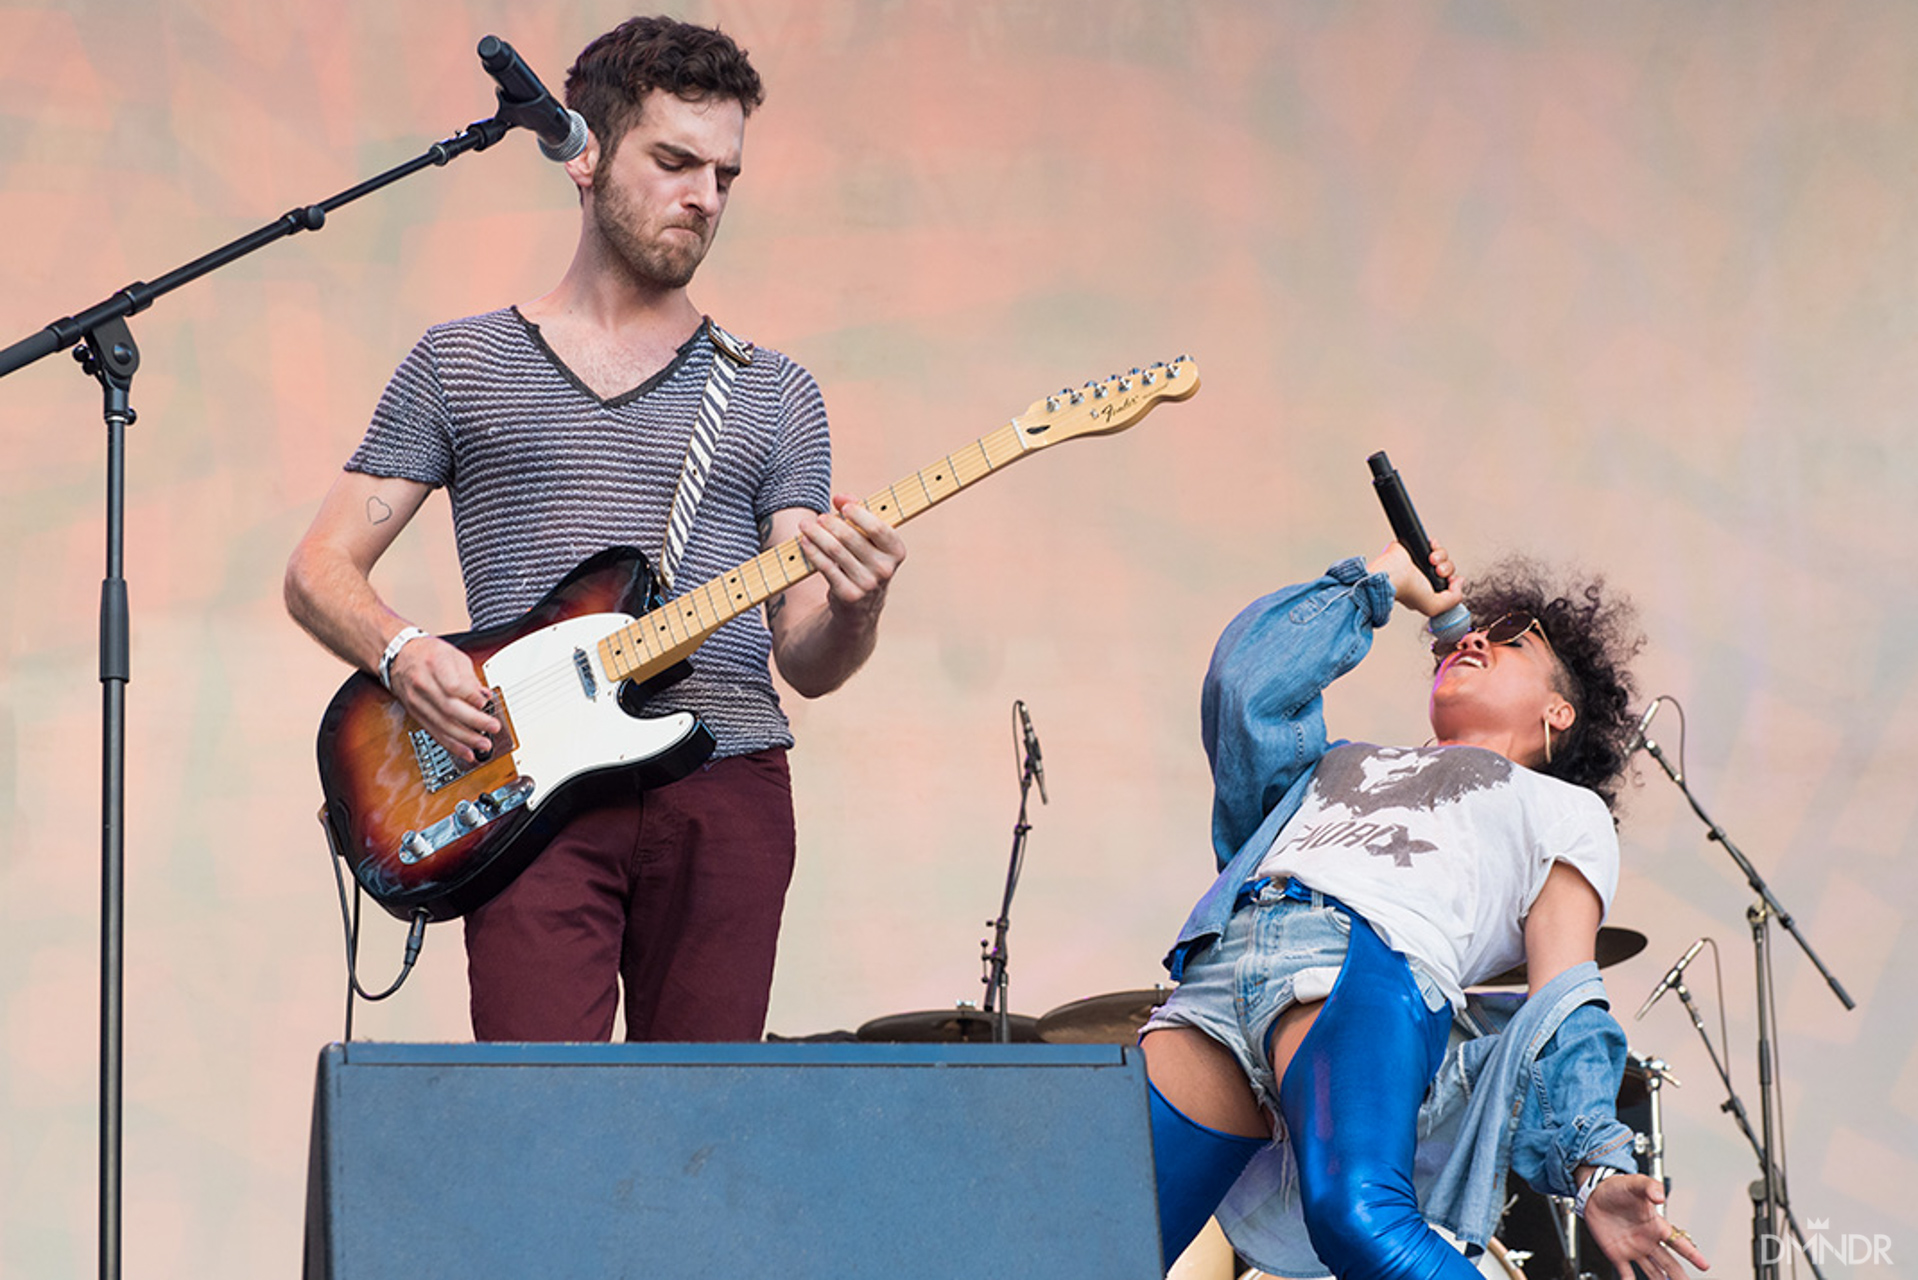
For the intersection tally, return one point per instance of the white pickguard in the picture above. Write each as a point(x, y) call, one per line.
point(561, 732)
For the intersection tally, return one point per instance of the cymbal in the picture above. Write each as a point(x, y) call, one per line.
point(1614, 945)
point(947, 1026)
point(1114, 1018)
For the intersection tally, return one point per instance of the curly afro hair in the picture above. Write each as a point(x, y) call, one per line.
point(1595, 639)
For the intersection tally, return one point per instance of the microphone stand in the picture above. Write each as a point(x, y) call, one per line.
point(992, 951)
point(106, 351)
point(1768, 1193)
point(1734, 1106)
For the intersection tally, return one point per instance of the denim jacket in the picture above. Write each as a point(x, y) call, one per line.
point(1538, 1097)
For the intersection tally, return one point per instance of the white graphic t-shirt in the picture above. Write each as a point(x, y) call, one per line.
point(1443, 850)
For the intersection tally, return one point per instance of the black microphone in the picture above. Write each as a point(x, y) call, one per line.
point(1454, 622)
point(1032, 751)
point(523, 101)
point(1670, 979)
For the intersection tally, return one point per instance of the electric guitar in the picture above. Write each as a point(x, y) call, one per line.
point(423, 832)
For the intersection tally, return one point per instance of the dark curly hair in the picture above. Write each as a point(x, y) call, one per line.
point(1595, 640)
point(609, 82)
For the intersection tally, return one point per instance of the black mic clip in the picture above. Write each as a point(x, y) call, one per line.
point(1033, 759)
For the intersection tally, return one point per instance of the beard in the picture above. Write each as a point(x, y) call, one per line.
point(642, 245)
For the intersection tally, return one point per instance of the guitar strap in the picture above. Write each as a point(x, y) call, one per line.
point(730, 355)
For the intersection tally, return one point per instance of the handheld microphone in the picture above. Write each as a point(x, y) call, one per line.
point(1032, 751)
point(523, 101)
point(1670, 979)
point(1454, 622)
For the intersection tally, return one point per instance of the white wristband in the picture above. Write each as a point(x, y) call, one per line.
point(406, 636)
point(1590, 1185)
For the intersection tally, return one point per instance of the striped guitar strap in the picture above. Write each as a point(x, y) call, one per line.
point(730, 355)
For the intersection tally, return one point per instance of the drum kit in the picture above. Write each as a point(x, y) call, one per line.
point(1539, 1238)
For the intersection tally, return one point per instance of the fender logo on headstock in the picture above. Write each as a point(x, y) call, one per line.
point(1099, 408)
point(1110, 412)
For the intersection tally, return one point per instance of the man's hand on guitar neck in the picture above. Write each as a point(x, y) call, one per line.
point(855, 552)
point(824, 628)
point(440, 689)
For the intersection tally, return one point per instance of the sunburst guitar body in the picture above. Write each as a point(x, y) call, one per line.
point(423, 833)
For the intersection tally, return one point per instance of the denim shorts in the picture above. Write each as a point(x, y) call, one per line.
point(1276, 951)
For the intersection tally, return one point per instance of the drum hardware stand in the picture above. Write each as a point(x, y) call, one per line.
point(992, 951)
point(1652, 1145)
point(1769, 1197)
point(103, 344)
point(1565, 1223)
point(1649, 1145)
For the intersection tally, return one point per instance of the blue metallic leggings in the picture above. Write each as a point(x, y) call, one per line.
point(1350, 1099)
point(1195, 1166)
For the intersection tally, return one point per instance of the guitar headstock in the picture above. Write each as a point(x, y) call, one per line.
point(1100, 408)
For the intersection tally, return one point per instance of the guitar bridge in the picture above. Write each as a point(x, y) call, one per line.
point(438, 768)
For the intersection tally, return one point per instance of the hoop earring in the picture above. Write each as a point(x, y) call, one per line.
point(1548, 739)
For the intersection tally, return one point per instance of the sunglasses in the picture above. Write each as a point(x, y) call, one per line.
point(1507, 629)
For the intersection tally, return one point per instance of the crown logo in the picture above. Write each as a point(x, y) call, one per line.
point(1820, 1224)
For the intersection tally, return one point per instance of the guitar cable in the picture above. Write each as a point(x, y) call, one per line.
point(350, 920)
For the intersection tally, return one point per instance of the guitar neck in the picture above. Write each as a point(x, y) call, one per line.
point(662, 637)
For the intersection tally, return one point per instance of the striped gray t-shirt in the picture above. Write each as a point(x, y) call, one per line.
point(542, 473)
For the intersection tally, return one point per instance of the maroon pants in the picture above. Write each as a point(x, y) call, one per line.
point(676, 892)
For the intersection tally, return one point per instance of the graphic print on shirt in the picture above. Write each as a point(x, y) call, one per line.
point(1355, 784)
